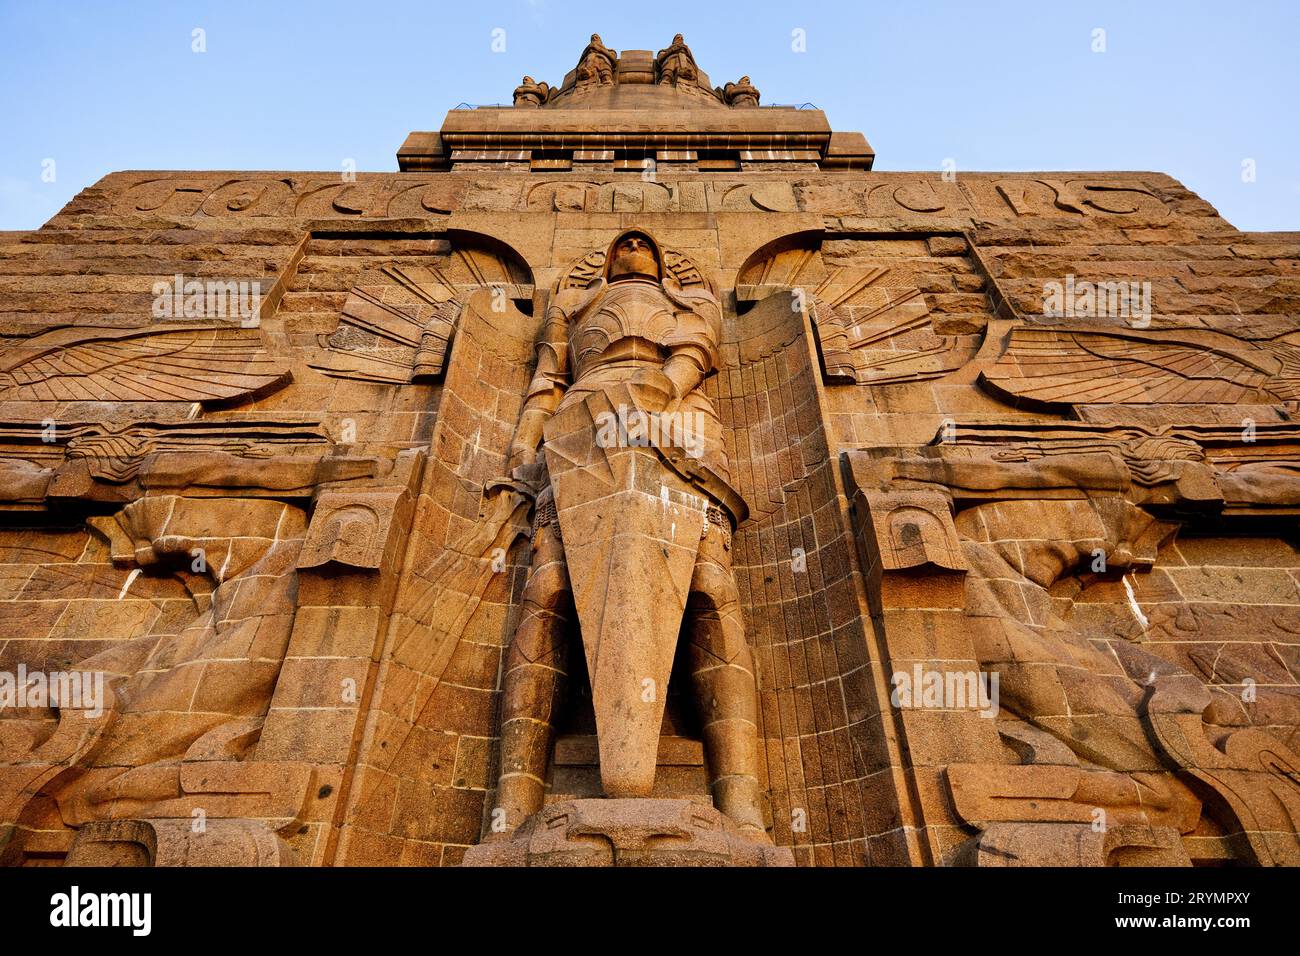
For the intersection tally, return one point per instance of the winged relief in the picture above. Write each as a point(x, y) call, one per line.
point(874, 327)
point(398, 327)
point(873, 334)
point(189, 362)
point(1067, 366)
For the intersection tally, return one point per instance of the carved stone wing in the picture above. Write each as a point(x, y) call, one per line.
point(873, 327)
point(1055, 366)
point(398, 329)
point(188, 363)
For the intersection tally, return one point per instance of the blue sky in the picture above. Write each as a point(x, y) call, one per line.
point(1191, 89)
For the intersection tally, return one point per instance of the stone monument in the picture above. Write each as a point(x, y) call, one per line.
point(636, 477)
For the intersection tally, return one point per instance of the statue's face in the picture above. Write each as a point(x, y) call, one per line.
point(633, 256)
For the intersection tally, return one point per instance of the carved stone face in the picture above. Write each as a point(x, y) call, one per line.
point(634, 257)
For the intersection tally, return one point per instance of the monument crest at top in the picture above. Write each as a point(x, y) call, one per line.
point(673, 69)
point(615, 111)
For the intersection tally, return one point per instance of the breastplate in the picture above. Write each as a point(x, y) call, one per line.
point(630, 309)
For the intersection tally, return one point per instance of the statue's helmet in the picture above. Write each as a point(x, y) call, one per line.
point(634, 255)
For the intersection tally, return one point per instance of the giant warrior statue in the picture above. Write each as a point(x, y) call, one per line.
point(634, 536)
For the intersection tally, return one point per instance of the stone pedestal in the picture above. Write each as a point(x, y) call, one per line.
point(639, 832)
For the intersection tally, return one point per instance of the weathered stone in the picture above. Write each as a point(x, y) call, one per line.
point(638, 478)
point(628, 833)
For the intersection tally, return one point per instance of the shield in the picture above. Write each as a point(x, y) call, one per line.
point(631, 530)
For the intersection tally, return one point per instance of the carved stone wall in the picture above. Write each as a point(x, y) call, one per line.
point(294, 542)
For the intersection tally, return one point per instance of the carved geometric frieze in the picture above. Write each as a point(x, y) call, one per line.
point(921, 199)
point(252, 196)
point(1081, 197)
point(682, 196)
